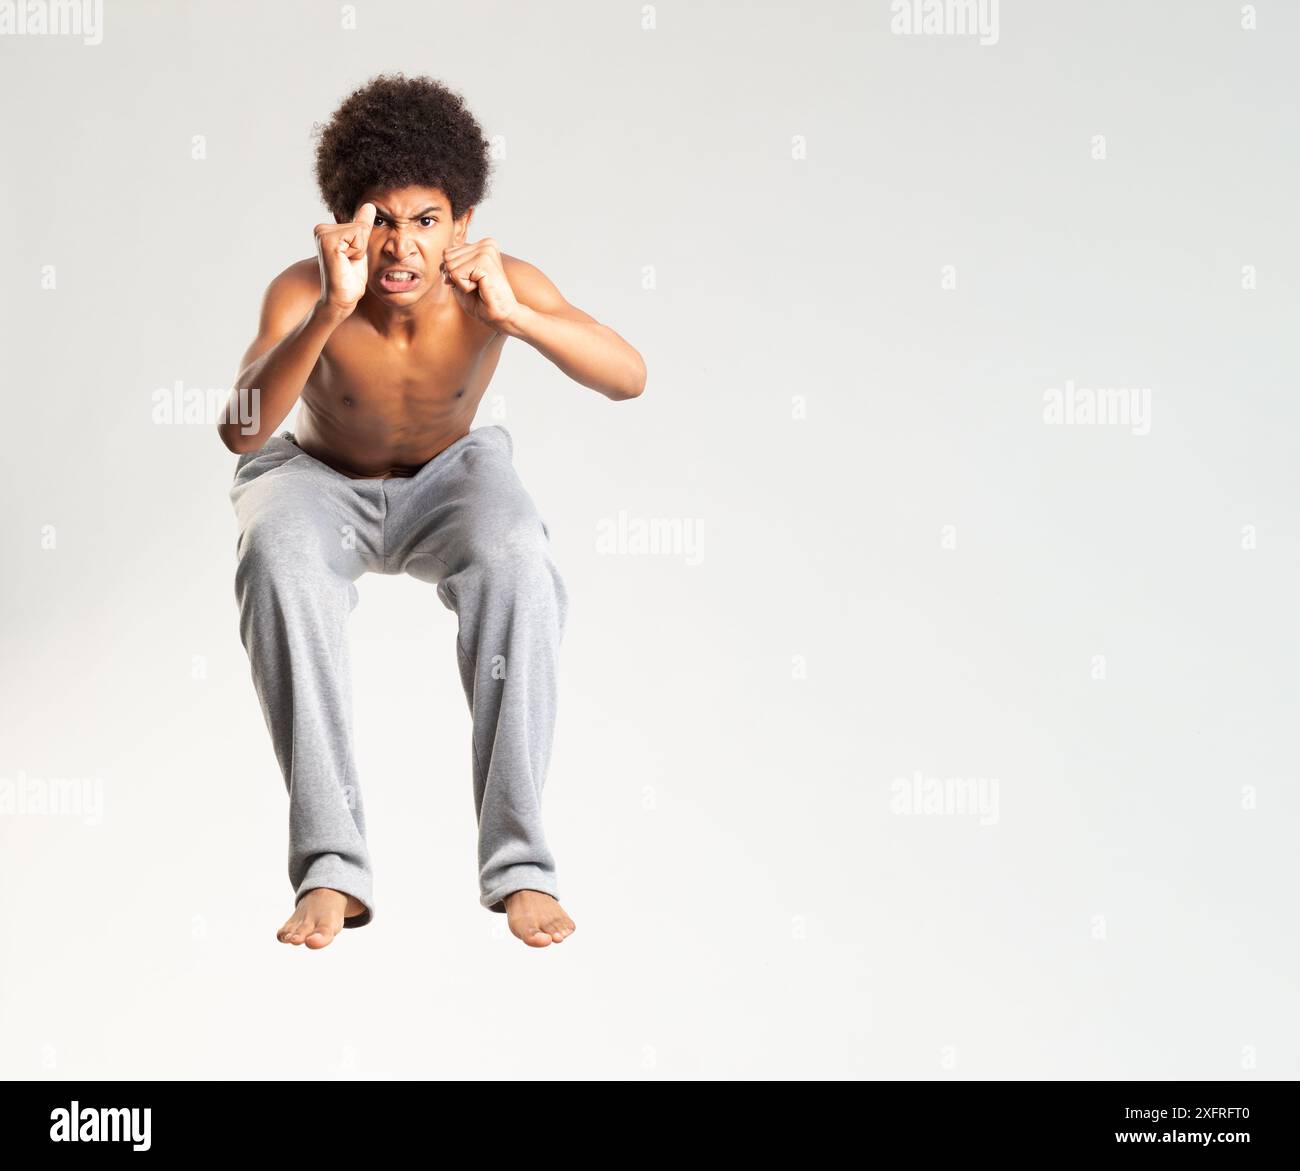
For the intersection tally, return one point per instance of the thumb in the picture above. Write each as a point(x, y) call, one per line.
point(355, 241)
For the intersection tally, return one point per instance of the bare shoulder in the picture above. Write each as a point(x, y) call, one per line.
point(287, 300)
point(525, 276)
point(298, 282)
point(290, 296)
point(514, 265)
point(535, 289)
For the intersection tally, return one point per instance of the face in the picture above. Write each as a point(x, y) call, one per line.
point(413, 226)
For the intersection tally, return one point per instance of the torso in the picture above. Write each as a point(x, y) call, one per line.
point(378, 406)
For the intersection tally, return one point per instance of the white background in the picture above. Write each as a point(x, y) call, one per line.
point(749, 902)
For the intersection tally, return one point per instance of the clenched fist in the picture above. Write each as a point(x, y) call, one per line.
point(341, 251)
point(477, 277)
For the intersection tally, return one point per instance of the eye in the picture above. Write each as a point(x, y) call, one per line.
point(379, 219)
point(427, 220)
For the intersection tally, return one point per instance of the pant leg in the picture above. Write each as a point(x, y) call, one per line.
point(468, 524)
point(302, 544)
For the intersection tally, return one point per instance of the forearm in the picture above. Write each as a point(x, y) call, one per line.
point(587, 351)
point(272, 382)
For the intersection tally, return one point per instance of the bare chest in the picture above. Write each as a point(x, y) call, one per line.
point(361, 373)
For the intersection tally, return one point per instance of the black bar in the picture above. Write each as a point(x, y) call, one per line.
point(332, 1118)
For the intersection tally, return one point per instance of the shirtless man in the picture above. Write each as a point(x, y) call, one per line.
point(390, 335)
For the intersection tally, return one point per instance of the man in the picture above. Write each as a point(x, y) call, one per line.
point(390, 335)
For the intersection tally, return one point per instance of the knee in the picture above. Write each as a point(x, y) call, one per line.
point(518, 557)
point(274, 551)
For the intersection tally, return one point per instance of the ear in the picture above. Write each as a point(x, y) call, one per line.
point(462, 226)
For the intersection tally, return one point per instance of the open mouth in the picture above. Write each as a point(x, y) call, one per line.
point(399, 280)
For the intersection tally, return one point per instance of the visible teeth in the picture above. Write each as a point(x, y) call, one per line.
point(401, 276)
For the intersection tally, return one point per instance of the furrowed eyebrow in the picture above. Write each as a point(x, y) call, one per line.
point(418, 215)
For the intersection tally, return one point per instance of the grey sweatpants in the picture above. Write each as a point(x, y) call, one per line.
point(464, 523)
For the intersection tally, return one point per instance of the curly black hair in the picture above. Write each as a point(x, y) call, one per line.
point(397, 131)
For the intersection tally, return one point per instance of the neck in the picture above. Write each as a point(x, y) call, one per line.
point(405, 321)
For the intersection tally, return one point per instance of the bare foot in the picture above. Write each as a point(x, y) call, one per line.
point(318, 917)
point(537, 919)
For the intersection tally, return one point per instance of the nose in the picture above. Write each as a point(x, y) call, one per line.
point(398, 243)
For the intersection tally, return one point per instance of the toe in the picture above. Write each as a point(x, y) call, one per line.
point(319, 937)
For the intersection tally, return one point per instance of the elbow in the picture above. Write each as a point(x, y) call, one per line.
point(240, 423)
point(229, 437)
point(636, 384)
point(235, 440)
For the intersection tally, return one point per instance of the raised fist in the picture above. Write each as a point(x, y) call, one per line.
point(341, 251)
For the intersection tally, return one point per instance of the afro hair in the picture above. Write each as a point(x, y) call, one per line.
point(401, 132)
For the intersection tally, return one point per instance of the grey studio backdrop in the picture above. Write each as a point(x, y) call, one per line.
point(934, 732)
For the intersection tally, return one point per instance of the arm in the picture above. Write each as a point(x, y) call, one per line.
point(587, 351)
point(292, 331)
point(302, 307)
point(519, 300)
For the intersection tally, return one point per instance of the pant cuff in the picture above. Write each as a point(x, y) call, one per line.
point(330, 870)
point(519, 878)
